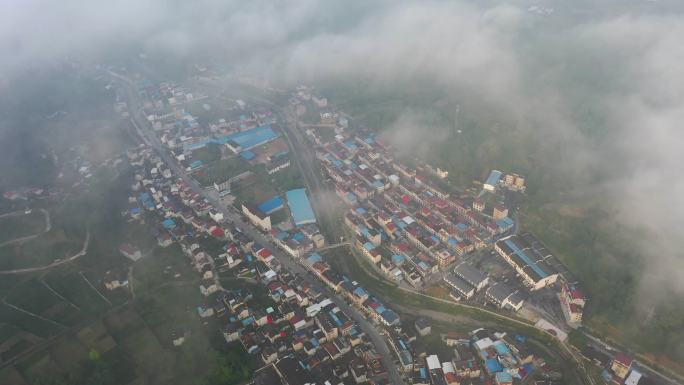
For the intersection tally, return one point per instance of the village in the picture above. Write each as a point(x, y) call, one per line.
point(398, 217)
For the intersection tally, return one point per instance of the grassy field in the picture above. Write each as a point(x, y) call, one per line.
point(161, 268)
point(253, 189)
point(40, 251)
point(21, 226)
point(73, 287)
point(207, 154)
point(220, 170)
point(34, 296)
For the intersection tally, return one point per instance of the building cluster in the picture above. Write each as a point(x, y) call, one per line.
point(299, 333)
point(618, 368)
point(621, 371)
point(497, 179)
point(303, 336)
point(250, 136)
point(402, 221)
point(408, 226)
point(479, 357)
point(296, 237)
point(538, 268)
point(305, 103)
point(355, 293)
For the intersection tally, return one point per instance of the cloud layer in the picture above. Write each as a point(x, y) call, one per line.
point(624, 65)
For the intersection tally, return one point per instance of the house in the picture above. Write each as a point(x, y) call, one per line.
point(205, 312)
point(460, 285)
point(131, 252)
point(359, 371)
point(572, 302)
point(473, 276)
point(208, 289)
point(164, 240)
point(503, 378)
point(115, 279)
point(256, 216)
point(504, 296)
point(422, 326)
point(621, 365)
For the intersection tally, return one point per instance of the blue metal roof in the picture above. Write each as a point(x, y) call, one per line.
point(271, 205)
point(250, 138)
point(247, 155)
point(501, 348)
point(493, 178)
point(389, 316)
point(245, 139)
point(313, 258)
point(493, 365)
point(526, 259)
point(301, 210)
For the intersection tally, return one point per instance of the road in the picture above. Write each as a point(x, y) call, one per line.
point(641, 367)
point(304, 157)
point(141, 125)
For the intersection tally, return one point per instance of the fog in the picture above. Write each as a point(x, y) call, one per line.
point(625, 58)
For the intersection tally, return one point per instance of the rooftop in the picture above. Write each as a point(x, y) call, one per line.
point(301, 210)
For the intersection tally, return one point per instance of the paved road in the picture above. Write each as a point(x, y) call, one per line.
point(641, 367)
point(304, 156)
point(288, 262)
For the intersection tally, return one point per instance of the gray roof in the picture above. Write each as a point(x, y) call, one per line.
point(516, 298)
point(458, 283)
point(471, 274)
point(499, 292)
point(422, 323)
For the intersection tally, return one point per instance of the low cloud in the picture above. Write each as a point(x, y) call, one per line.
point(648, 112)
point(479, 52)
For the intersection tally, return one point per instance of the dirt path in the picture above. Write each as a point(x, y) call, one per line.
point(94, 288)
point(42, 281)
point(81, 253)
point(48, 227)
point(33, 314)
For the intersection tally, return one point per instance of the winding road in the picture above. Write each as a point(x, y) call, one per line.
point(81, 253)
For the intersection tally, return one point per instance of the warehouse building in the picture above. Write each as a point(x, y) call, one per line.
point(492, 180)
point(460, 285)
point(299, 205)
point(504, 296)
point(472, 275)
point(529, 259)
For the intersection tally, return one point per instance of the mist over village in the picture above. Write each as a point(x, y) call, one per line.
point(341, 192)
